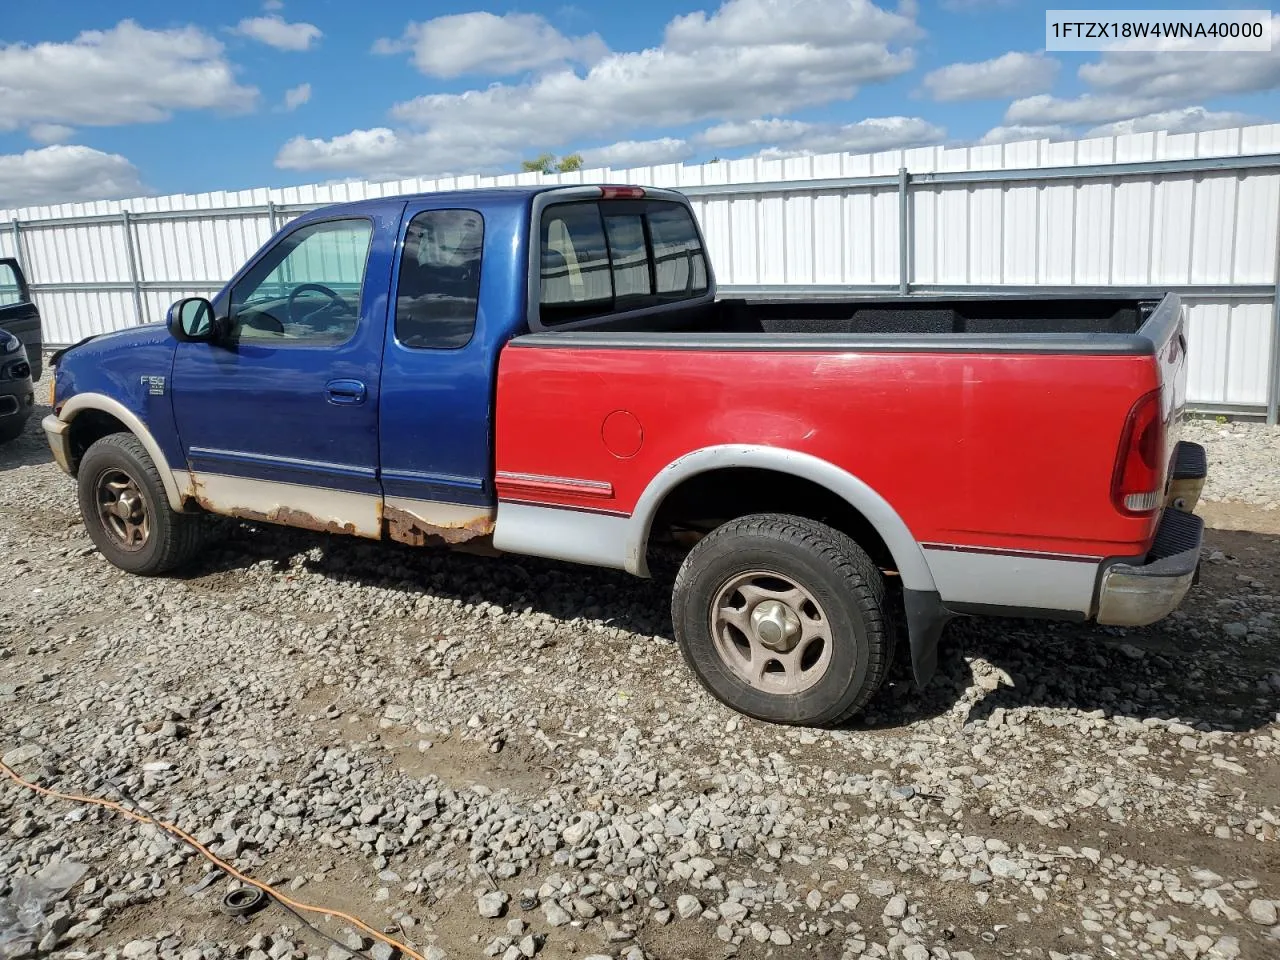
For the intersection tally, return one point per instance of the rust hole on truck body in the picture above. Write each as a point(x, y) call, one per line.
point(285, 516)
point(405, 527)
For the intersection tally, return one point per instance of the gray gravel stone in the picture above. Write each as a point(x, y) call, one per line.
point(492, 905)
point(1263, 912)
point(557, 916)
point(688, 906)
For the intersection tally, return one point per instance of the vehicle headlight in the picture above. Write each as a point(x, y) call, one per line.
point(9, 344)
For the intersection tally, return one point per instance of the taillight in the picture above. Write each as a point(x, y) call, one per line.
point(1135, 486)
point(621, 193)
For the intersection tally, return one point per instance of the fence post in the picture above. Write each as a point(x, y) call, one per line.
point(17, 248)
point(271, 217)
point(1273, 382)
point(904, 238)
point(126, 221)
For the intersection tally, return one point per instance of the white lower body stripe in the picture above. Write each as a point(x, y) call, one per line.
point(598, 539)
point(1020, 580)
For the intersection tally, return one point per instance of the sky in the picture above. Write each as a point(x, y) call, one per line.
point(135, 97)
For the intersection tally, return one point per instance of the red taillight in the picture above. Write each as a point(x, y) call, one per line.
point(621, 193)
point(1135, 486)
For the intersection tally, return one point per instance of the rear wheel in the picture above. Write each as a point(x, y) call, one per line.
point(126, 512)
point(784, 619)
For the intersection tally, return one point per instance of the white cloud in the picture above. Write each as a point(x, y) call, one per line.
point(974, 6)
point(1126, 83)
point(1089, 108)
point(792, 138)
point(1185, 120)
point(127, 74)
point(1014, 133)
point(49, 132)
point(726, 136)
point(272, 5)
point(295, 97)
point(383, 152)
point(820, 23)
point(1014, 74)
point(750, 57)
point(275, 31)
point(482, 42)
point(638, 153)
point(866, 136)
point(61, 174)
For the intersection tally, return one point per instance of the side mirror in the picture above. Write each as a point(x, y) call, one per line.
point(192, 321)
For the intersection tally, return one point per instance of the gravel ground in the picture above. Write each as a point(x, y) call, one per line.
point(1245, 461)
point(508, 758)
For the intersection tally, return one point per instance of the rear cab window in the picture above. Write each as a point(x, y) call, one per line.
point(604, 257)
point(438, 291)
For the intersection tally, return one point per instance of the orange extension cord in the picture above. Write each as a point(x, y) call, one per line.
point(212, 858)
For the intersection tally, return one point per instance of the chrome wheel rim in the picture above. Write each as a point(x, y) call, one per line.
point(771, 632)
point(122, 509)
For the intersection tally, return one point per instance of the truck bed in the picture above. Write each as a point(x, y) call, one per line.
point(985, 424)
point(917, 315)
point(913, 315)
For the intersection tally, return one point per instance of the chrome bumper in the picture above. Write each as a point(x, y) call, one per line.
point(1136, 594)
point(55, 432)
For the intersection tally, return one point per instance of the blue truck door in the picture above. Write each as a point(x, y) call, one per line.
point(280, 421)
point(458, 282)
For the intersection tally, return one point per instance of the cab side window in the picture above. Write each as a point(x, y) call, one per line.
point(308, 288)
point(438, 292)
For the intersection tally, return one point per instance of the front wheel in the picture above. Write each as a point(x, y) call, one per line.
point(784, 619)
point(126, 512)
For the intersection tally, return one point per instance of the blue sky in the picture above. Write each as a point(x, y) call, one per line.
point(143, 96)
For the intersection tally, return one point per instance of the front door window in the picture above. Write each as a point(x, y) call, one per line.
point(307, 289)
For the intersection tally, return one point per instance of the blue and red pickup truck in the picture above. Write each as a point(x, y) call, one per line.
point(552, 371)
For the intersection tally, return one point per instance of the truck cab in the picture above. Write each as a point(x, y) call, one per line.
point(343, 380)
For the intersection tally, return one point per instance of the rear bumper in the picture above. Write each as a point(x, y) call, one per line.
point(1190, 467)
point(1136, 594)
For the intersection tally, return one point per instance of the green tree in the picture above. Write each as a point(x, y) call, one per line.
point(547, 163)
point(540, 164)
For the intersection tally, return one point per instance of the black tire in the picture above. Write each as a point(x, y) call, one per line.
point(172, 537)
point(12, 431)
point(848, 591)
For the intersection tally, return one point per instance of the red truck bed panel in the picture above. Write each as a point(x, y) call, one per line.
point(1009, 452)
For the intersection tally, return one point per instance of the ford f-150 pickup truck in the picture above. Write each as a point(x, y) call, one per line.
point(551, 371)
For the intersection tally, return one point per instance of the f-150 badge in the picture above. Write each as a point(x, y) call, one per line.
point(154, 385)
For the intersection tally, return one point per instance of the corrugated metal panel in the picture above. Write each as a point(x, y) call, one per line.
point(1211, 227)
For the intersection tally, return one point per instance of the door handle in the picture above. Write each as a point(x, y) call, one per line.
point(345, 391)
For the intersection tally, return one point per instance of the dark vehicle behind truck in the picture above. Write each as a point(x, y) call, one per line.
point(18, 313)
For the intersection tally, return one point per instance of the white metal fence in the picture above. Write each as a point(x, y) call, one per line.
point(1142, 214)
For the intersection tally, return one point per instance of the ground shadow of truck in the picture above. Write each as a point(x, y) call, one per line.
point(1185, 669)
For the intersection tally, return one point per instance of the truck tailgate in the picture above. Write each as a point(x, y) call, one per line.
point(1166, 329)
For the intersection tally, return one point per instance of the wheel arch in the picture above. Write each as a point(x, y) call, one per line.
point(100, 403)
point(913, 568)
